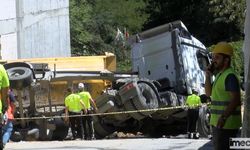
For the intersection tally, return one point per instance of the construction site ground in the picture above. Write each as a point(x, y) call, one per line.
point(121, 142)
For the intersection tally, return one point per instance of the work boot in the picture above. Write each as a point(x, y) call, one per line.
point(93, 137)
point(190, 135)
point(196, 135)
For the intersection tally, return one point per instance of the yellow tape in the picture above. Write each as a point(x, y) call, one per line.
point(116, 113)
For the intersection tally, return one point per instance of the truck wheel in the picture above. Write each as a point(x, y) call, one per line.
point(130, 107)
point(32, 134)
point(61, 131)
point(203, 122)
point(101, 128)
point(146, 99)
point(168, 98)
point(16, 136)
point(20, 77)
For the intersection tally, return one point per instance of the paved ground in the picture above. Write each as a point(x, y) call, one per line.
point(115, 144)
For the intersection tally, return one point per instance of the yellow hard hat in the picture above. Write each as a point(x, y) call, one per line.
point(223, 48)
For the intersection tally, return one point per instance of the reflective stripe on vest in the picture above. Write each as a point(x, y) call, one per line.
point(85, 97)
point(220, 112)
point(220, 100)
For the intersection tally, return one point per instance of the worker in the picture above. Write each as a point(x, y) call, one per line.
point(73, 106)
point(225, 96)
point(4, 87)
point(91, 108)
point(193, 101)
point(9, 118)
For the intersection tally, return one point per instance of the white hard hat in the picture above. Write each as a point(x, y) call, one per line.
point(81, 86)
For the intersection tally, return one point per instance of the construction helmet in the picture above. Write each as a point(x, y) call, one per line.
point(223, 48)
point(81, 86)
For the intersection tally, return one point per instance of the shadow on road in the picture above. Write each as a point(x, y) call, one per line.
point(207, 146)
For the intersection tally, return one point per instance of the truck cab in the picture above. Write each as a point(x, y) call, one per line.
point(172, 56)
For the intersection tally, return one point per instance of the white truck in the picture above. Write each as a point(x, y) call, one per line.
point(167, 63)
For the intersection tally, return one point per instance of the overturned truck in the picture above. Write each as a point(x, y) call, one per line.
point(40, 86)
point(167, 63)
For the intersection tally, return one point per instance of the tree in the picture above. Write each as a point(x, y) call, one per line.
point(80, 20)
point(228, 19)
point(210, 21)
point(95, 24)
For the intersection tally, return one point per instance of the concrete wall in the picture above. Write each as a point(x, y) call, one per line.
point(34, 28)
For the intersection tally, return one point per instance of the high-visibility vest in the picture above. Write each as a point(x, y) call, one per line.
point(72, 101)
point(85, 98)
point(220, 100)
point(193, 100)
point(4, 82)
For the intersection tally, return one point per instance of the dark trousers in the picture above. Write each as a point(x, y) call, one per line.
point(192, 116)
point(88, 126)
point(76, 125)
point(221, 137)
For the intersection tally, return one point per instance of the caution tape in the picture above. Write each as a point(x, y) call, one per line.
point(115, 113)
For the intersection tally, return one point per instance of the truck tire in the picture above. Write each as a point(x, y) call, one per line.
point(203, 122)
point(16, 136)
point(146, 99)
point(61, 131)
point(101, 128)
point(129, 106)
point(20, 77)
point(169, 98)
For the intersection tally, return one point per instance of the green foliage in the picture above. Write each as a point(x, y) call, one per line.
point(124, 66)
point(228, 11)
point(94, 32)
point(94, 23)
point(120, 13)
point(227, 19)
point(208, 20)
point(238, 61)
point(80, 21)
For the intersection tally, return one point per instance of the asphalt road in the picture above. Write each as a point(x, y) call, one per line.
point(115, 144)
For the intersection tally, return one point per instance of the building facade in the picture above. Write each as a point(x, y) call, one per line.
point(34, 29)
